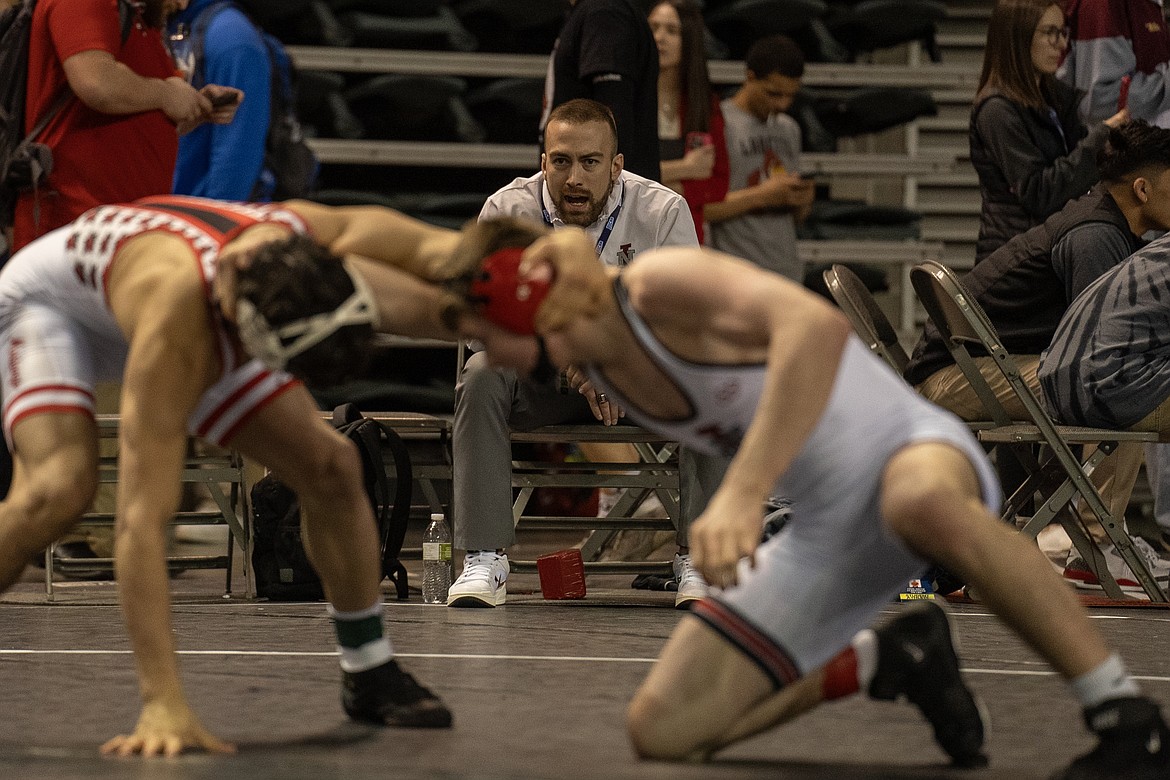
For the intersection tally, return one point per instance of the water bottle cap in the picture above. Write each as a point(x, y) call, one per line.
point(437, 517)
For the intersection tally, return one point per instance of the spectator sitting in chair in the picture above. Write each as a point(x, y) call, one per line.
point(1026, 285)
point(581, 183)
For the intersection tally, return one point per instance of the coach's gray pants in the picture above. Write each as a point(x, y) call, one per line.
point(489, 402)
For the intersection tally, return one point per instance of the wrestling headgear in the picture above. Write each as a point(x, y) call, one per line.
point(276, 346)
point(502, 297)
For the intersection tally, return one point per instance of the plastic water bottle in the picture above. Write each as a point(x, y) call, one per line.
point(436, 546)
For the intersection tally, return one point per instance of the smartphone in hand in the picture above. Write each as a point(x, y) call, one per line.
point(697, 140)
point(225, 99)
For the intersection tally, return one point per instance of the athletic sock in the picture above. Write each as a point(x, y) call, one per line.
point(853, 668)
point(1110, 680)
point(360, 640)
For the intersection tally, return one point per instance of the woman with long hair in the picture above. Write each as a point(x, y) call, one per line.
point(1031, 151)
point(690, 126)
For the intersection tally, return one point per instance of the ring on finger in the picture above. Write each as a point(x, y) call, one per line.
point(602, 398)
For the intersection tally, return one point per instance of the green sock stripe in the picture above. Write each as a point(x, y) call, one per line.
point(355, 633)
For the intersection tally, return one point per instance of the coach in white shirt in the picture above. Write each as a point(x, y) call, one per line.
point(581, 183)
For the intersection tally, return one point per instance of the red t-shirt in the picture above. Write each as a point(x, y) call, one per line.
point(713, 189)
point(97, 158)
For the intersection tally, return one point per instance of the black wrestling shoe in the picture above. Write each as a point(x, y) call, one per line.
point(1134, 743)
point(389, 696)
point(916, 659)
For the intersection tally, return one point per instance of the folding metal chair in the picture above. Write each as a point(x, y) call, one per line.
point(1057, 475)
point(865, 315)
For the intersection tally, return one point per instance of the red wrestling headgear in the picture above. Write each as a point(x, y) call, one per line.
point(503, 297)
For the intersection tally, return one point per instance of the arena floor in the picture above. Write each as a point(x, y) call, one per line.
point(538, 690)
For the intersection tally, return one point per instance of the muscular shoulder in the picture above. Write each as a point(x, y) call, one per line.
point(154, 276)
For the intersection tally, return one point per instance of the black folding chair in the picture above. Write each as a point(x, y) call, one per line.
point(865, 315)
point(1057, 475)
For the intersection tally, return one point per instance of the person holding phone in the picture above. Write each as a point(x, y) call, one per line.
point(767, 195)
point(691, 144)
point(1030, 149)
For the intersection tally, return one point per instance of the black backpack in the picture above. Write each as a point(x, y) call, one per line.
point(290, 167)
point(283, 572)
point(24, 163)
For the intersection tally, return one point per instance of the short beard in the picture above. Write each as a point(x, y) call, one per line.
point(593, 213)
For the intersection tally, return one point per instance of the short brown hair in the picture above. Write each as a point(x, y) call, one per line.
point(294, 278)
point(582, 111)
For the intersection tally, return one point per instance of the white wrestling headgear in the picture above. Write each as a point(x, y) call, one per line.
point(274, 347)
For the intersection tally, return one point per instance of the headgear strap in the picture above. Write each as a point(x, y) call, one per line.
point(275, 347)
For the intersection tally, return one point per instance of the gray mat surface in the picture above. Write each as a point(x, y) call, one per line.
point(538, 690)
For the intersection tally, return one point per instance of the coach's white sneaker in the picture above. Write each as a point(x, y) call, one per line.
point(691, 585)
point(483, 582)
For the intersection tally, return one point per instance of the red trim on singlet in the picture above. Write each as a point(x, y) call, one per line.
point(232, 431)
point(179, 208)
point(756, 645)
point(43, 388)
point(50, 409)
point(219, 411)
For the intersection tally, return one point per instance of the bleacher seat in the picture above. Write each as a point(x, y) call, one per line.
point(741, 23)
point(508, 109)
point(419, 108)
point(440, 31)
point(870, 25)
point(826, 116)
point(308, 22)
point(389, 7)
point(322, 108)
point(515, 26)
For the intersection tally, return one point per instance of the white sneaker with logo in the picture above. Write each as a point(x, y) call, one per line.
point(691, 585)
point(483, 582)
point(1079, 571)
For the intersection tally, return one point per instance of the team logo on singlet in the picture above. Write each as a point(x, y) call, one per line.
point(625, 254)
point(14, 361)
point(728, 392)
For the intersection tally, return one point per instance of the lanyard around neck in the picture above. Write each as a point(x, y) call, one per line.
point(609, 223)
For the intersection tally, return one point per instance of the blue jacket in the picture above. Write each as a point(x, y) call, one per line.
point(224, 161)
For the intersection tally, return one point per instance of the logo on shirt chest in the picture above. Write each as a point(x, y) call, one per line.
point(625, 254)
